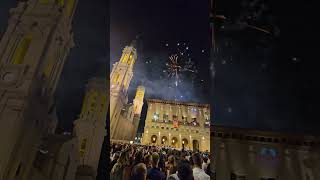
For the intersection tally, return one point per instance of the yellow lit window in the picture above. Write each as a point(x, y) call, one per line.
point(84, 106)
point(48, 69)
point(21, 50)
point(125, 58)
point(70, 6)
point(44, 1)
point(60, 2)
point(116, 78)
point(83, 147)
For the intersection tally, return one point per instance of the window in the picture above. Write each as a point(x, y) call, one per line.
point(123, 111)
point(175, 117)
point(48, 69)
point(21, 50)
point(60, 2)
point(83, 147)
point(116, 78)
point(70, 6)
point(44, 1)
point(165, 117)
point(237, 177)
point(155, 116)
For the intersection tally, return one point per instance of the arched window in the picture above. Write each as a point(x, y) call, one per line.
point(21, 50)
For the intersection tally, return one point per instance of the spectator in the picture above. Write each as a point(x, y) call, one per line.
point(205, 162)
point(198, 172)
point(147, 161)
point(184, 171)
point(139, 172)
point(114, 159)
point(118, 168)
point(171, 165)
point(154, 173)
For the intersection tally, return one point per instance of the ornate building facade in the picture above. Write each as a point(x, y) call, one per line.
point(177, 124)
point(124, 115)
point(90, 128)
point(33, 51)
point(251, 154)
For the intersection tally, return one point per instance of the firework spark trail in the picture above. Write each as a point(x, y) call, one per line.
point(257, 28)
point(174, 68)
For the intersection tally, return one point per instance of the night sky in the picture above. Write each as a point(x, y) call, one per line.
point(267, 81)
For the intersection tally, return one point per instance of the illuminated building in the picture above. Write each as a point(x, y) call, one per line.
point(177, 124)
point(33, 51)
point(90, 128)
point(124, 116)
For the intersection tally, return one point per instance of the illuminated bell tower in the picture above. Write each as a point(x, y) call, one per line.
point(33, 51)
point(90, 128)
point(120, 79)
point(138, 100)
point(137, 108)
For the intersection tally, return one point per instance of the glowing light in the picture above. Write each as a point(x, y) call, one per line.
point(175, 68)
point(131, 142)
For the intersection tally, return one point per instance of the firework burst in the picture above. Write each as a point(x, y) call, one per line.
point(176, 68)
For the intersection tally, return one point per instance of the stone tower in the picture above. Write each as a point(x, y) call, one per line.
point(90, 128)
point(120, 77)
point(137, 104)
point(32, 55)
point(138, 100)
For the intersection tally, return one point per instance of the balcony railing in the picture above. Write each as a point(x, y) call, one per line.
point(185, 123)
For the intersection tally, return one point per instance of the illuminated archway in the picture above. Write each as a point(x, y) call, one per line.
point(195, 145)
point(174, 141)
point(185, 142)
point(154, 139)
point(164, 140)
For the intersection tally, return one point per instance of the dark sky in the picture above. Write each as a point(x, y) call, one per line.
point(267, 81)
point(89, 57)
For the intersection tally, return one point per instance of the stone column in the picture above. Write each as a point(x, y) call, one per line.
point(222, 166)
point(288, 171)
point(251, 164)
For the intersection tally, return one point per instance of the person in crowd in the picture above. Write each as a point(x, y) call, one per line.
point(184, 171)
point(205, 162)
point(147, 161)
point(117, 171)
point(114, 159)
point(139, 172)
point(154, 173)
point(198, 172)
point(135, 161)
point(171, 165)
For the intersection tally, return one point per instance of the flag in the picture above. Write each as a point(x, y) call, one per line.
point(175, 124)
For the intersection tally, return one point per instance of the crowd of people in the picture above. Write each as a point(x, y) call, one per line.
point(142, 162)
